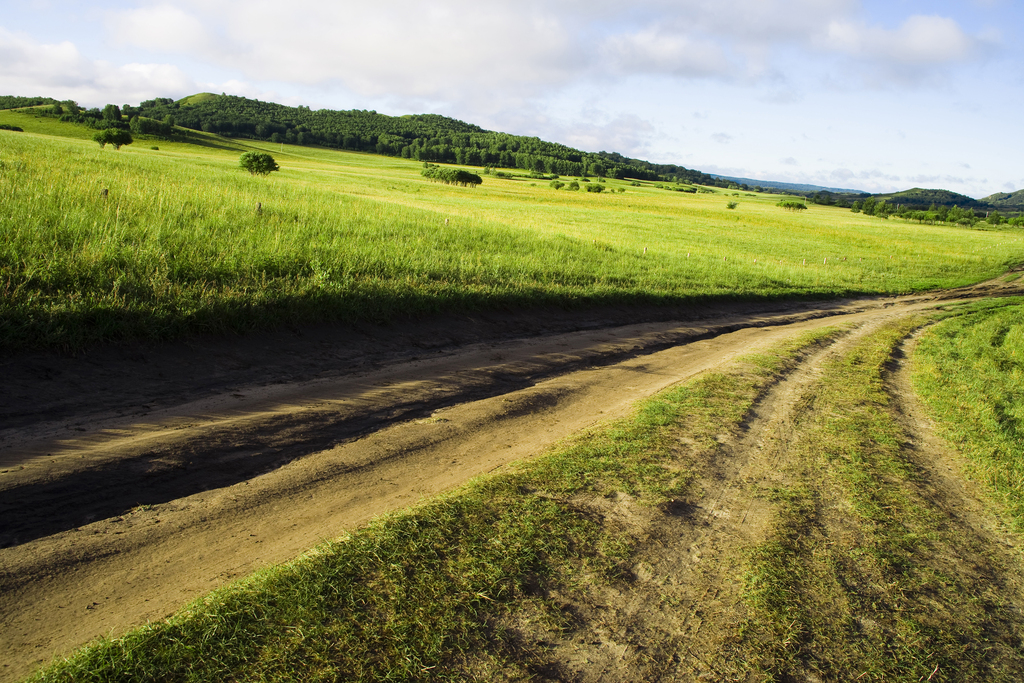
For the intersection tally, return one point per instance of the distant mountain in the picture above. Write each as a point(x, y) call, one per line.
point(791, 187)
point(1012, 201)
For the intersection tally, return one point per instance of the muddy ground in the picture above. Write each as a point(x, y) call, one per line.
point(136, 478)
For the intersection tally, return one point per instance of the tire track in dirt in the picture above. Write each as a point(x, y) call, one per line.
point(426, 426)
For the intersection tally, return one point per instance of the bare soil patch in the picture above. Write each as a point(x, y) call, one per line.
point(136, 479)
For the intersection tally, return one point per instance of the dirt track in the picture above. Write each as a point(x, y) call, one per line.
point(135, 480)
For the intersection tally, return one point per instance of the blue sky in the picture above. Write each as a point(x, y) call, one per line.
point(857, 94)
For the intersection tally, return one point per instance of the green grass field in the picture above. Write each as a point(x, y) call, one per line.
point(179, 246)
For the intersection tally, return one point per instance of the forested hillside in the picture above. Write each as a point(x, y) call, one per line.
point(438, 139)
point(918, 198)
point(14, 102)
point(1013, 201)
point(424, 137)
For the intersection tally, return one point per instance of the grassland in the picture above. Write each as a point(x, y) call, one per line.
point(185, 242)
point(864, 572)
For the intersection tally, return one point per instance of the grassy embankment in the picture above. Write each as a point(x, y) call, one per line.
point(178, 246)
point(970, 370)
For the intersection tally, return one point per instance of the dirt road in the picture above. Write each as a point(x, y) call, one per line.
point(134, 480)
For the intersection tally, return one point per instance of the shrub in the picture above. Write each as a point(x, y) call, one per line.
point(574, 185)
point(791, 205)
point(731, 205)
point(556, 184)
point(258, 163)
point(451, 176)
point(595, 188)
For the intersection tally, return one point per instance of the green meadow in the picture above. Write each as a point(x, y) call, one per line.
point(184, 242)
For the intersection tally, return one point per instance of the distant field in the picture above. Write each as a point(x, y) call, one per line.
point(185, 242)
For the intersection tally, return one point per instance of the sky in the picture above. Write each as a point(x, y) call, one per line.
point(862, 94)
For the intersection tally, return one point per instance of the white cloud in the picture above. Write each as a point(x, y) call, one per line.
point(61, 71)
point(473, 54)
point(162, 27)
point(651, 51)
point(919, 41)
point(723, 138)
point(55, 65)
point(460, 50)
point(626, 134)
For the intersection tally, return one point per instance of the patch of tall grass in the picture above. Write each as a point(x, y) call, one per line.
point(186, 242)
point(969, 368)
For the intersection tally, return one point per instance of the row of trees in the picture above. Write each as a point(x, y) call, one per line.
point(936, 213)
point(826, 198)
point(126, 118)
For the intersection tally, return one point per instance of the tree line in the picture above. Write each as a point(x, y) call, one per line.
point(936, 213)
point(110, 117)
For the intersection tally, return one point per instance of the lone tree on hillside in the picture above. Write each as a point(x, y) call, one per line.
point(113, 136)
point(258, 163)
